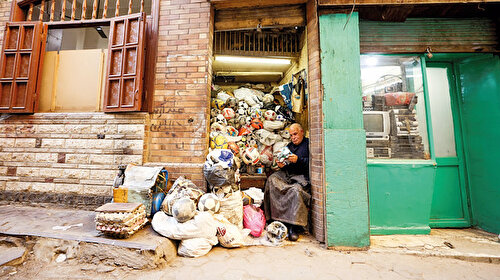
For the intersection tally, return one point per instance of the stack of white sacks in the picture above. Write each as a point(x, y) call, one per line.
point(252, 125)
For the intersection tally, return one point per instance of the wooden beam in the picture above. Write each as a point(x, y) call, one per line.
point(238, 19)
point(397, 2)
point(231, 4)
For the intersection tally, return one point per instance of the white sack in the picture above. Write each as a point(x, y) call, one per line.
point(278, 145)
point(231, 207)
point(222, 95)
point(247, 95)
point(256, 194)
point(229, 235)
point(203, 225)
point(273, 125)
point(196, 247)
point(267, 138)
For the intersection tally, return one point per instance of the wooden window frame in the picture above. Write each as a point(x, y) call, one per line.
point(18, 13)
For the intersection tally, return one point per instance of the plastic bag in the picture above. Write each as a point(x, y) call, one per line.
point(203, 225)
point(196, 247)
point(222, 157)
point(249, 96)
point(231, 207)
point(278, 145)
point(254, 219)
point(256, 194)
point(267, 138)
point(229, 235)
point(217, 175)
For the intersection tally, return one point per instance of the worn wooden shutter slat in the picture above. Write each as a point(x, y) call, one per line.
point(124, 79)
point(19, 65)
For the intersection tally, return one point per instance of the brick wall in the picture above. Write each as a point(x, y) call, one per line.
point(183, 77)
point(61, 152)
point(315, 123)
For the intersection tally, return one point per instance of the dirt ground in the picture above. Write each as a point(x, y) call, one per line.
point(305, 259)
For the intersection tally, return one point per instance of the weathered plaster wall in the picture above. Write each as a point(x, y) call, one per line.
point(345, 155)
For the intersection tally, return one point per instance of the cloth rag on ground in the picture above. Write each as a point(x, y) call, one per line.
point(286, 198)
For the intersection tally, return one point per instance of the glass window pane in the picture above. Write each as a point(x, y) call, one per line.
point(394, 107)
point(442, 118)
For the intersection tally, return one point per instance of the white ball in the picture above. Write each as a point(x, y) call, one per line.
point(183, 210)
point(209, 202)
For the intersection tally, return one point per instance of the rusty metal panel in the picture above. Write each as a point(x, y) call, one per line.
point(124, 81)
point(415, 35)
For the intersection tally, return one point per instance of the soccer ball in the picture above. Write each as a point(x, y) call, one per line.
point(235, 149)
point(209, 202)
point(280, 118)
point(257, 124)
point(220, 119)
point(250, 156)
point(255, 113)
point(214, 112)
point(231, 131)
point(228, 113)
point(243, 105)
point(217, 103)
point(218, 142)
point(231, 103)
point(241, 112)
point(269, 115)
point(183, 210)
point(276, 232)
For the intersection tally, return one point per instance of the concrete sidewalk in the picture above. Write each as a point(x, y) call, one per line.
point(53, 232)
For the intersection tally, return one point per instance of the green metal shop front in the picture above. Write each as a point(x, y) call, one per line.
point(436, 167)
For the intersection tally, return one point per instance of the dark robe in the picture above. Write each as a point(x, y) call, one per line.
point(286, 196)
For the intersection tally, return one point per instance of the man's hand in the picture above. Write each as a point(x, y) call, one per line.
point(280, 164)
point(293, 158)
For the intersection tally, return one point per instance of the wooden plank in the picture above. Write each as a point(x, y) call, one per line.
point(84, 9)
point(63, 10)
point(42, 10)
point(94, 10)
point(117, 8)
point(396, 2)
point(73, 10)
point(105, 12)
point(52, 9)
point(238, 19)
point(119, 207)
point(30, 13)
point(231, 4)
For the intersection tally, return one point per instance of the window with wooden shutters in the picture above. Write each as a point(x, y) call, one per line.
point(20, 60)
point(124, 77)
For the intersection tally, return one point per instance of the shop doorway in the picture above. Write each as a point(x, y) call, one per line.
point(450, 199)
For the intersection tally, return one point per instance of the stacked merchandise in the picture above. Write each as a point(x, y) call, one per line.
point(252, 124)
point(405, 140)
point(120, 220)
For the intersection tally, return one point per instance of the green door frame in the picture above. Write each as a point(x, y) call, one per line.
point(448, 62)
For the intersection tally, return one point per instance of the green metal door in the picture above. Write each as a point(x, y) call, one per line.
point(449, 203)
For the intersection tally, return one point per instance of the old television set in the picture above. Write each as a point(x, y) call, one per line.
point(377, 125)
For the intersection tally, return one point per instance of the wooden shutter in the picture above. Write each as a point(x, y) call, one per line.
point(20, 61)
point(440, 34)
point(124, 78)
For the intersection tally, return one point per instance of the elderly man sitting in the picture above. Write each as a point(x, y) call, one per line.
point(287, 191)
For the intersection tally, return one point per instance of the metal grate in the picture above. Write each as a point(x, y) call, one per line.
point(257, 43)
